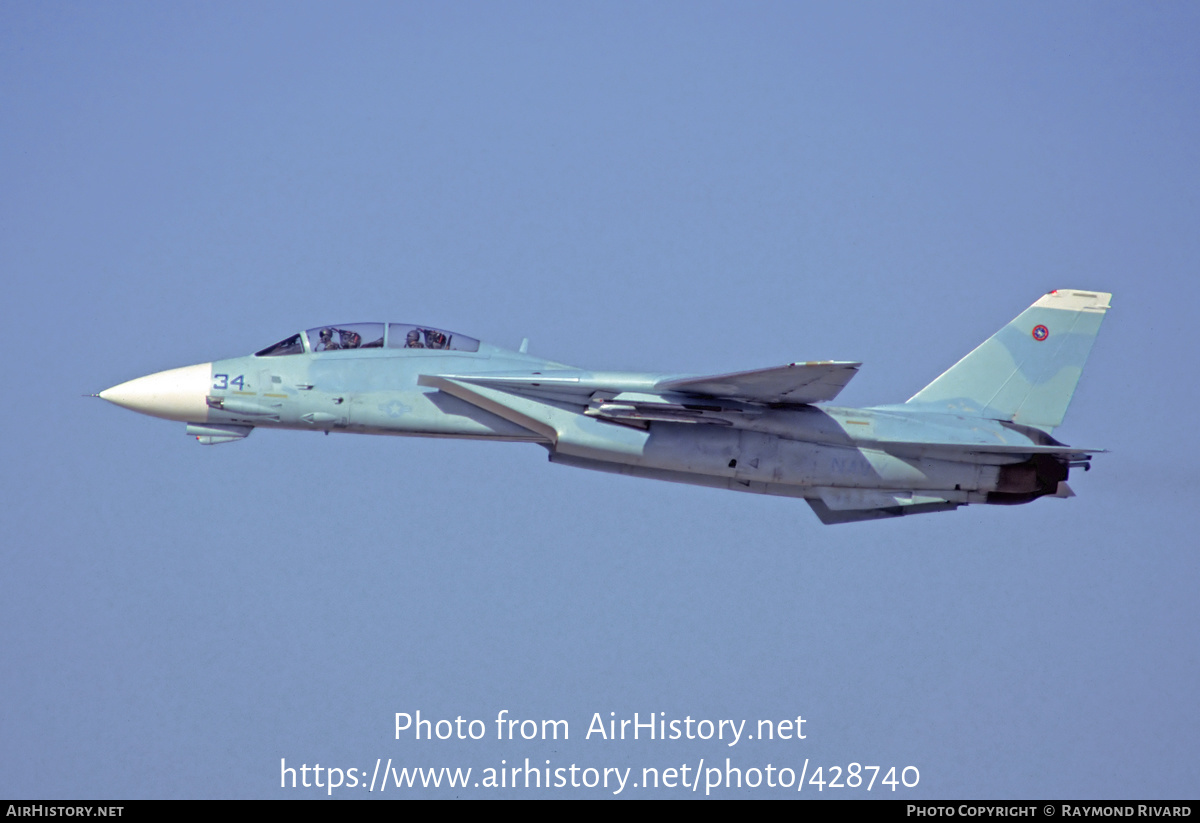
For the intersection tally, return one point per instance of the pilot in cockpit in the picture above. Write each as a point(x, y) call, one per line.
point(412, 340)
point(327, 343)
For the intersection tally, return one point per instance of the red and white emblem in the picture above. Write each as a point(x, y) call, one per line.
point(1040, 333)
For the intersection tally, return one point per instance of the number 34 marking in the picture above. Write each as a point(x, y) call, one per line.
point(222, 381)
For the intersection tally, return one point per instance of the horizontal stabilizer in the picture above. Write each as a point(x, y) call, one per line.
point(965, 451)
point(797, 383)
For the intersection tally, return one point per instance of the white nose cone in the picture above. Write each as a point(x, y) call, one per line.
point(177, 394)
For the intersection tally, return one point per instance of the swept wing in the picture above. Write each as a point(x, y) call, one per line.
point(796, 383)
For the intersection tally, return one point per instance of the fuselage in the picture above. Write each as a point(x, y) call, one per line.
point(400, 379)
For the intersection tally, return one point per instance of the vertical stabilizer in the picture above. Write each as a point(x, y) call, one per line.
point(1026, 372)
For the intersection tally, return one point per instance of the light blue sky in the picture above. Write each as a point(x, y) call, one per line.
point(685, 187)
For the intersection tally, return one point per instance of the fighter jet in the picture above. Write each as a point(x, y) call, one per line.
point(979, 433)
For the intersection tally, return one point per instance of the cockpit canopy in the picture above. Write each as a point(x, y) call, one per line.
point(370, 336)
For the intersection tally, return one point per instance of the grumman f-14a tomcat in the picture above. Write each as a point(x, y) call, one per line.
point(979, 433)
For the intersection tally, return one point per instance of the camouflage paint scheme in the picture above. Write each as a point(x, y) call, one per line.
point(979, 433)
